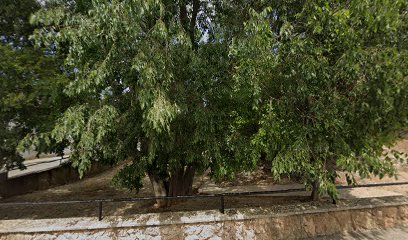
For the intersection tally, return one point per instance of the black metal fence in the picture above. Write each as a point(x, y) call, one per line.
point(220, 196)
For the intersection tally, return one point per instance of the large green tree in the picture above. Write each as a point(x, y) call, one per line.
point(31, 84)
point(156, 76)
point(324, 87)
point(175, 87)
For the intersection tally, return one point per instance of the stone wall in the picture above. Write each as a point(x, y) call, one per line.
point(282, 222)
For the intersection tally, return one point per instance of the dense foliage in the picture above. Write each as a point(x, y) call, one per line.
point(156, 78)
point(326, 86)
point(175, 87)
point(31, 84)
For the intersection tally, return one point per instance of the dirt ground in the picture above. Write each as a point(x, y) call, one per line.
point(100, 187)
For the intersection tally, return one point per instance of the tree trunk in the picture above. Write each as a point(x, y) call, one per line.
point(180, 183)
point(159, 189)
point(315, 191)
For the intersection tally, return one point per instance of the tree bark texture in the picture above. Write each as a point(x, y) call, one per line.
point(159, 189)
point(189, 24)
point(315, 191)
point(179, 183)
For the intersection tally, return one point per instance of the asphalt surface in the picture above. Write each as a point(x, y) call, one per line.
point(38, 165)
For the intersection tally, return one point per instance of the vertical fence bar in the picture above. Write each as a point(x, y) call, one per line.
point(222, 204)
point(100, 210)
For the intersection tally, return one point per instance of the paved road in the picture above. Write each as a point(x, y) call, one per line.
point(38, 165)
point(380, 234)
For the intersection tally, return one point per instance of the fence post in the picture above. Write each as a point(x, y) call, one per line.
point(100, 210)
point(222, 205)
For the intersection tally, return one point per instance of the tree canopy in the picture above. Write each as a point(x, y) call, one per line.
point(156, 78)
point(175, 87)
point(31, 81)
point(325, 85)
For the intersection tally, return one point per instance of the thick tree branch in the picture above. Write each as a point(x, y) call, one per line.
point(189, 24)
point(196, 7)
point(183, 14)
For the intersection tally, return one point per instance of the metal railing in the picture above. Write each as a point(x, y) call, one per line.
point(220, 196)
